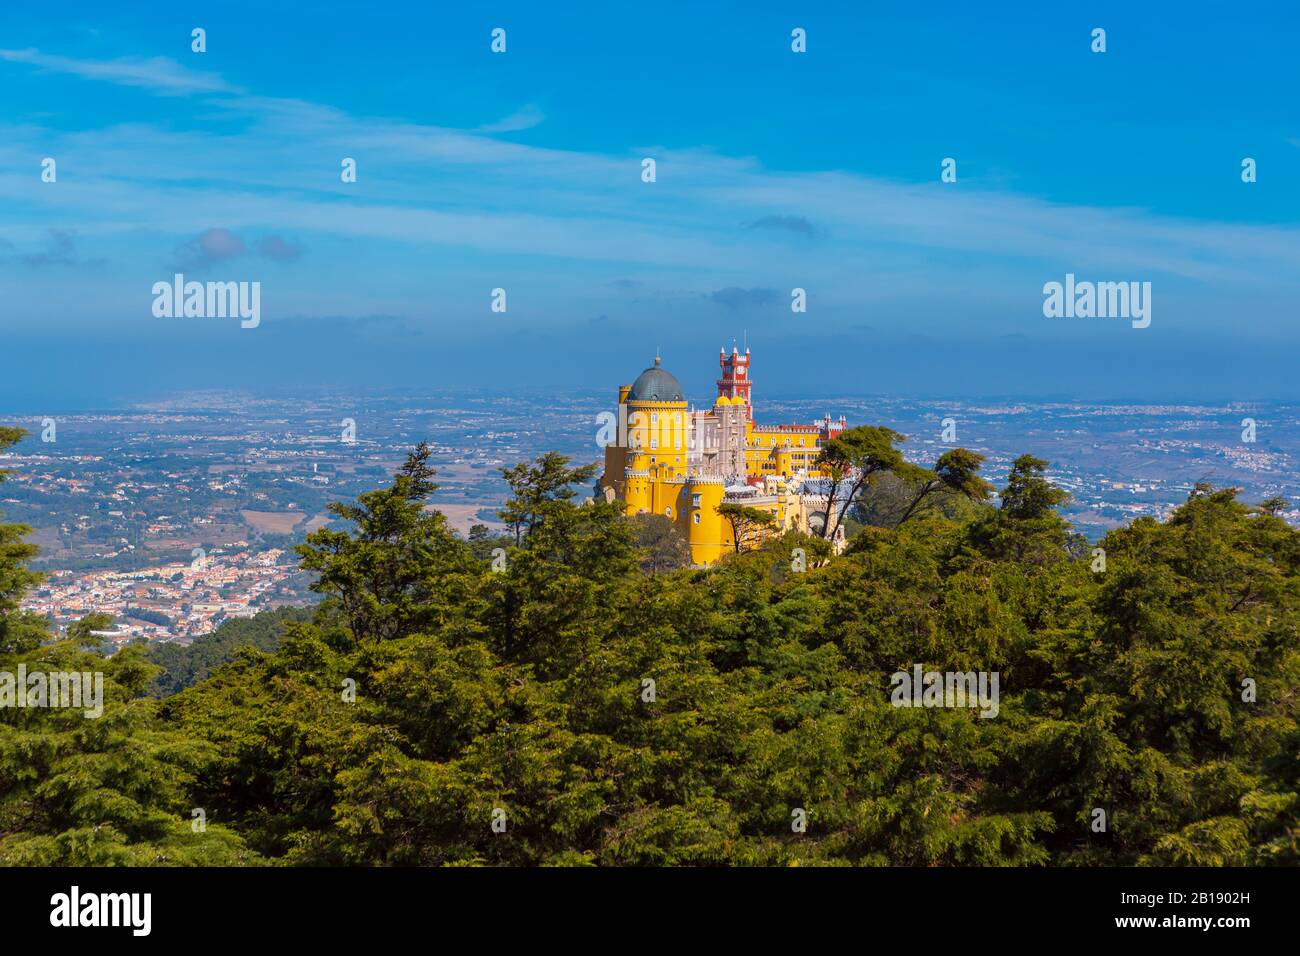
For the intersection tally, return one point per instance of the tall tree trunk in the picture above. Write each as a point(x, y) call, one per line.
point(853, 493)
point(928, 487)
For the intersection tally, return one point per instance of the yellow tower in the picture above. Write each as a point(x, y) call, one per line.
point(647, 462)
point(707, 532)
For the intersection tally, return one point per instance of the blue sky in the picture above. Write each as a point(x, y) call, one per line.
point(775, 170)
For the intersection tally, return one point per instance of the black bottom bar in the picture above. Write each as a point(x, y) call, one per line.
point(543, 906)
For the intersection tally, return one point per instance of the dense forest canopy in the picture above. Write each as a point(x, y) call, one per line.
point(570, 694)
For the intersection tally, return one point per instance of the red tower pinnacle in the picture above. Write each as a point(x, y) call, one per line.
point(735, 379)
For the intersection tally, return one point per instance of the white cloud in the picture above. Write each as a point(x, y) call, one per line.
point(525, 118)
point(157, 73)
point(423, 187)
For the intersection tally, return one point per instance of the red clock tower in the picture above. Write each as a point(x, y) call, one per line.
point(735, 377)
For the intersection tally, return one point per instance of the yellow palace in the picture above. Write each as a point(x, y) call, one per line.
point(682, 463)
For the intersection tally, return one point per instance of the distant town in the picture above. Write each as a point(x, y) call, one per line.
point(177, 516)
point(173, 601)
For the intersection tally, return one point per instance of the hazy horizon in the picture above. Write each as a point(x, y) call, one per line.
point(92, 374)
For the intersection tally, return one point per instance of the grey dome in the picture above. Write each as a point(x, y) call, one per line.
point(656, 384)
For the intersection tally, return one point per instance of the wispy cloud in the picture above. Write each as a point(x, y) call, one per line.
point(60, 250)
point(209, 247)
point(792, 224)
point(56, 248)
point(743, 299)
point(274, 247)
point(569, 216)
point(219, 245)
point(159, 74)
point(524, 118)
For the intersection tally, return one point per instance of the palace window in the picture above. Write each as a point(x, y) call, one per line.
point(696, 516)
point(695, 501)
